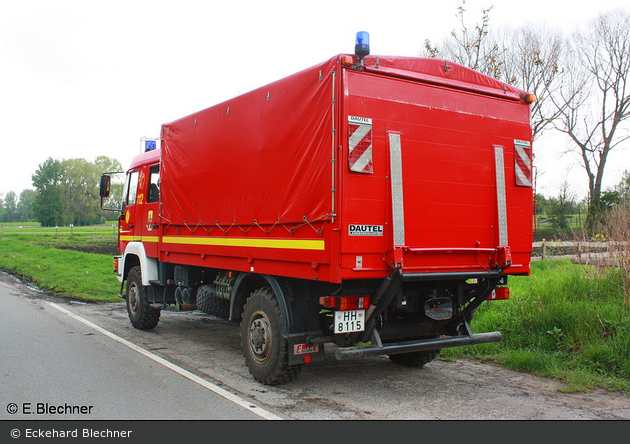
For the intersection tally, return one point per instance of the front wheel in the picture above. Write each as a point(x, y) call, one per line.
point(141, 314)
point(265, 350)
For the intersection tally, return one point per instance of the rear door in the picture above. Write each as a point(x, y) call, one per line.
point(436, 182)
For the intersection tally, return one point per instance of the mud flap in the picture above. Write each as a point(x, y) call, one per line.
point(300, 347)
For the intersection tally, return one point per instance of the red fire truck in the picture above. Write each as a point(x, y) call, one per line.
point(365, 206)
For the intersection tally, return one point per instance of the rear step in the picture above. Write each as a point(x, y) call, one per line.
point(415, 346)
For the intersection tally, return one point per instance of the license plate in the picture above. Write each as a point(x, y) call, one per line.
point(349, 321)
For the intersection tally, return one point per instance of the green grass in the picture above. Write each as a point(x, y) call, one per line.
point(102, 232)
point(62, 271)
point(565, 322)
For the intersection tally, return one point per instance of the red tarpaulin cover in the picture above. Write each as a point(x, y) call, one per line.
point(263, 156)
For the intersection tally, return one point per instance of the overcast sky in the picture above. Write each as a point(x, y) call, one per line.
point(83, 78)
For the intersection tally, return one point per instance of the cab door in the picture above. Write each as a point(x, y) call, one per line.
point(147, 209)
point(127, 223)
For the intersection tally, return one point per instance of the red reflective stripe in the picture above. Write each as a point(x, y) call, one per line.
point(523, 166)
point(360, 148)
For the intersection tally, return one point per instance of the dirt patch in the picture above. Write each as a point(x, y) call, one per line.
point(109, 249)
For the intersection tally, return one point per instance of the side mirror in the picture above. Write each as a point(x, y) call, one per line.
point(109, 189)
point(105, 185)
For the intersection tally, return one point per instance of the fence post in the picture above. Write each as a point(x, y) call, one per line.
point(544, 249)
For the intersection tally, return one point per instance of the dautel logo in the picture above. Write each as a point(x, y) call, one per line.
point(365, 230)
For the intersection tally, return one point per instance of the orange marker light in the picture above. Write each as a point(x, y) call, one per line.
point(347, 60)
point(529, 98)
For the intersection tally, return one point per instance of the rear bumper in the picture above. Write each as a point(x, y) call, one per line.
point(415, 346)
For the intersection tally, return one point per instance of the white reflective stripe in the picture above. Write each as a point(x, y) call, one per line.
point(524, 156)
point(363, 161)
point(398, 210)
point(358, 135)
point(501, 204)
point(521, 179)
point(522, 163)
point(360, 148)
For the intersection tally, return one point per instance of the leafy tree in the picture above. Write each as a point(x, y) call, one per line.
point(107, 165)
point(619, 195)
point(542, 204)
point(47, 180)
point(67, 191)
point(623, 187)
point(25, 205)
point(10, 207)
point(561, 207)
point(80, 192)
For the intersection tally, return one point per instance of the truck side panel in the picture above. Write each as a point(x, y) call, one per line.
point(251, 178)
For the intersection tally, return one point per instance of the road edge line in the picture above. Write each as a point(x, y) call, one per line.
point(177, 369)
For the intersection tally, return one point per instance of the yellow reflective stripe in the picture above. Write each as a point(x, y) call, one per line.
point(128, 238)
point(287, 244)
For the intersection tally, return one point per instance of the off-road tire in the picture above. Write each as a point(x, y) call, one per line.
point(414, 359)
point(264, 348)
point(208, 302)
point(141, 314)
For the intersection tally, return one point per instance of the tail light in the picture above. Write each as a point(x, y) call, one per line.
point(500, 293)
point(343, 303)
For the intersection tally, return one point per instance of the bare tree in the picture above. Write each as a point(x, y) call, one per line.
point(594, 101)
point(533, 62)
point(471, 48)
point(528, 58)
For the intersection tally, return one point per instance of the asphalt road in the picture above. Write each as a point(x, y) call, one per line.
point(76, 353)
point(54, 366)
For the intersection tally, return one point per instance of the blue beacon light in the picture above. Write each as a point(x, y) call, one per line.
point(362, 46)
point(149, 145)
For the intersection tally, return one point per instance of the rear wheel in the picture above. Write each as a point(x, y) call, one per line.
point(414, 359)
point(265, 350)
point(141, 314)
point(209, 303)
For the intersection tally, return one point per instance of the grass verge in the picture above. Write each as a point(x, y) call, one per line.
point(65, 272)
point(564, 322)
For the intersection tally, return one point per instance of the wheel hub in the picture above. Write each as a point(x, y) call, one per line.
point(133, 299)
point(259, 338)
